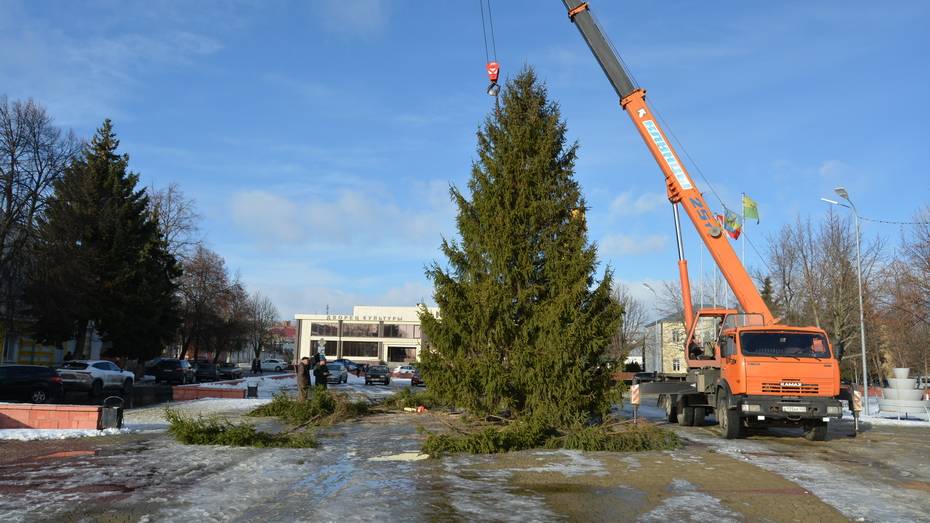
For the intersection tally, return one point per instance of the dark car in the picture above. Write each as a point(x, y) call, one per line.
point(229, 371)
point(172, 371)
point(416, 380)
point(644, 377)
point(31, 383)
point(337, 373)
point(206, 371)
point(379, 373)
point(350, 365)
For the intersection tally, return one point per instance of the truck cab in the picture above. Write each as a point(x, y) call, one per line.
point(759, 375)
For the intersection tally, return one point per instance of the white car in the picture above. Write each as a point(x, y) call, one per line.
point(95, 375)
point(275, 365)
point(404, 370)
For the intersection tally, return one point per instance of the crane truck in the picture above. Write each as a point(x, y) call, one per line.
point(743, 366)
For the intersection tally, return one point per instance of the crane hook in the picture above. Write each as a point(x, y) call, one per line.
point(493, 73)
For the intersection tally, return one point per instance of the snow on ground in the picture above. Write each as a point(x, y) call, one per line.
point(885, 502)
point(878, 417)
point(39, 434)
point(268, 386)
point(687, 500)
point(151, 418)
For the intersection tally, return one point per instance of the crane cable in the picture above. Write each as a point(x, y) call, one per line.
point(484, 32)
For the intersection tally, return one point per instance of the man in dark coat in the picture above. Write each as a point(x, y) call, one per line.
point(303, 378)
point(320, 372)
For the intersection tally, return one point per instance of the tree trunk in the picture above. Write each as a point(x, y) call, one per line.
point(80, 339)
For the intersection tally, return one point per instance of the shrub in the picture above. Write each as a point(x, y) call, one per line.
point(215, 431)
point(321, 408)
point(524, 435)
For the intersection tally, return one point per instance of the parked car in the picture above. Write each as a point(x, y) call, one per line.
point(229, 371)
point(350, 365)
point(275, 365)
point(416, 380)
point(172, 370)
point(404, 371)
point(206, 371)
point(379, 373)
point(31, 383)
point(92, 376)
point(337, 373)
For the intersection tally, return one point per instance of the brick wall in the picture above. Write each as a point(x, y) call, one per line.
point(193, 392)
point(32, 416)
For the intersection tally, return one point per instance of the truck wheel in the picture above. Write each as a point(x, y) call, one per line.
point(730, 424)
point(816, 431)
point(699, 414)
point(685, 414)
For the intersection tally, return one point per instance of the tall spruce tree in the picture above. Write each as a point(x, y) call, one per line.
point(524, 326)
point(102, 261)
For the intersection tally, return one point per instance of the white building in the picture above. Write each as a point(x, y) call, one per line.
point(369, 335)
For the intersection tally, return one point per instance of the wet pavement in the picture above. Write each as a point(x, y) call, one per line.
point(369, 470)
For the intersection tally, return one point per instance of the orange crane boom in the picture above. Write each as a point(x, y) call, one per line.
point(679, 184)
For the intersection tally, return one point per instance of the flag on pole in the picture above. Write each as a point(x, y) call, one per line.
point(750, 208)
point(731, 223)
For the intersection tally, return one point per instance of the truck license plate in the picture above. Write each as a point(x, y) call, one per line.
point(792, 408)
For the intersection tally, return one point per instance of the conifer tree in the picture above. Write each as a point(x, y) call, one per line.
point(524, 327)
point(102, 261)
point(768, 294)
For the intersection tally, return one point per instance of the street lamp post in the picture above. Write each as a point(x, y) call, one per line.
point(658, 352)
point(844, 194)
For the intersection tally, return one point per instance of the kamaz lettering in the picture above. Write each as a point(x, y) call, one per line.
point(667, 154)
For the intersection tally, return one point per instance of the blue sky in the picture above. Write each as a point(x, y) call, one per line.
point(319, 138)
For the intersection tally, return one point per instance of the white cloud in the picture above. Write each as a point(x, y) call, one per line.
point(267, 216)
point(831, 168)
point(83, 78)
point(355, 17)
point(616, 245)
point(626, 205)
point(366, 219)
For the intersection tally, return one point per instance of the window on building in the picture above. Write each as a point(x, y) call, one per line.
point(398, 330)
point(360, 330)
point(676, 335)
point(676, 365)
point(360, 349)
point(402, 354)
point(324, 329)
point(330, 350)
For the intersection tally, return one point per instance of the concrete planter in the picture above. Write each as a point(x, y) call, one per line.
point(902, 383)
point(902, 397)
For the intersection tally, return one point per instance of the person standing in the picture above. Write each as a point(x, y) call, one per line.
point(303, 378)
point(320, 373)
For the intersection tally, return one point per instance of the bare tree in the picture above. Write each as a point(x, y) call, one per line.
point(903, 303)
point(33, 154)
point(630, 333)
point(812, 268)
point(177, 217)
point(213, 313)
point(262, 316)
